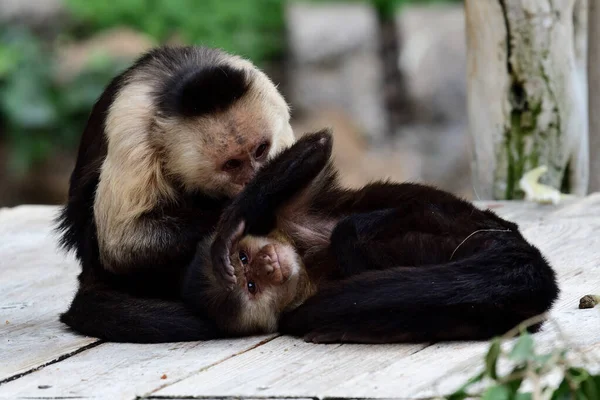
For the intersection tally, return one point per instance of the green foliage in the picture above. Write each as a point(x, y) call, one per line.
point(38, 113)
point(387, 8)
point(526, 365)
point(252, 28)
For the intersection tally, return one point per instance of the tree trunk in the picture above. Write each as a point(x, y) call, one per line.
point(594, 93)
point(527, 98)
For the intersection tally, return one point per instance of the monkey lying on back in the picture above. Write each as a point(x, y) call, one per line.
point(386, 263)
point(271, 278)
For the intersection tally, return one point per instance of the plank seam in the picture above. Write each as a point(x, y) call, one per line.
point(56, 360)
point(262, 342)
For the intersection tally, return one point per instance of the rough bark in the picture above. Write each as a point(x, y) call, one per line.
point(527, 99)
point(594, 93)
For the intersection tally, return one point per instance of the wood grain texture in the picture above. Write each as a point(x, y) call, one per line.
point(290, 367)
point(37, 283)
point(520, 212)
point(353, 371)
point(125, 371)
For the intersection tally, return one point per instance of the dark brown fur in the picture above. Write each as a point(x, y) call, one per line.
point(135, 297)
point(404, 262)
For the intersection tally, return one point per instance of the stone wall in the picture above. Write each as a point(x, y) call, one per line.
point(339, 63)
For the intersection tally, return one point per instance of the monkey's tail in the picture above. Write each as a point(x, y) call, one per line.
point(119, 317)
point(474, 298)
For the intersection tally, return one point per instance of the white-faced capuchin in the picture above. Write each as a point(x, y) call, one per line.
point(167, 145)
point(386, 263)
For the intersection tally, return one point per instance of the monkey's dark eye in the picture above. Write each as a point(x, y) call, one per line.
point(243, 258)
point(251, 287)
point(260, 151)
point(232, 164)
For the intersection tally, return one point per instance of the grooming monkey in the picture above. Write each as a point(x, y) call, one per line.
point(167, 145)
point(385, 263)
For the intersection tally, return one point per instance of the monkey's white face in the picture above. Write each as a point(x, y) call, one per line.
point(221, 153)
point(270, 278)
point(265, 264)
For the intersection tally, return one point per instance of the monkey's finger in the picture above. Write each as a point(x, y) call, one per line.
point(227, 276)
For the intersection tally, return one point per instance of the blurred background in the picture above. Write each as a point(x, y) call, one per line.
point(387, 75)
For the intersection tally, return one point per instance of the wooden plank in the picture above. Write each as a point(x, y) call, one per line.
point(521, 212)
point(290, 367)
point(37, 283)
point(126, 371)
point(570, 246)
point(575, 330)
point(587, 207)
point(283, 367)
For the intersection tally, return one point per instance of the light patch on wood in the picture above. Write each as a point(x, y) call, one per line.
point(37, 282)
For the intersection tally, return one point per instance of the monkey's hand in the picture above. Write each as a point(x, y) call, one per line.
point(280, 180)
point(254, 210)
point(221, 252)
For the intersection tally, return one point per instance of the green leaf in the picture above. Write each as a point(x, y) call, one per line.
point(577, 375)
point(523, 349)
point(514, 384)
point(499, 392)
point(458, 395)
point(491, 359)
point(579, 395)
point(590, 388)
point(522, 396)
point(563, 392)
point(542, 359)
point(461, 393)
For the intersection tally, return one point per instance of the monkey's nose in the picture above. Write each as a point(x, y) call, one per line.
point(269, 264)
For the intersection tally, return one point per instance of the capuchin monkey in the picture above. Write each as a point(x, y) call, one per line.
point(271, 279)
point(385, 263)
point(167, 145)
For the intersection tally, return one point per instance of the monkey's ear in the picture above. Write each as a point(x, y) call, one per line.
point(205, 90)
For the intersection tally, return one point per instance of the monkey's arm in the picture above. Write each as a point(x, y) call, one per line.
point(160, 239)
point(254, 210)
point(277, 182)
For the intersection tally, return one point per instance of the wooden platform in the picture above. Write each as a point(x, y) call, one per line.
point(39, 358)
